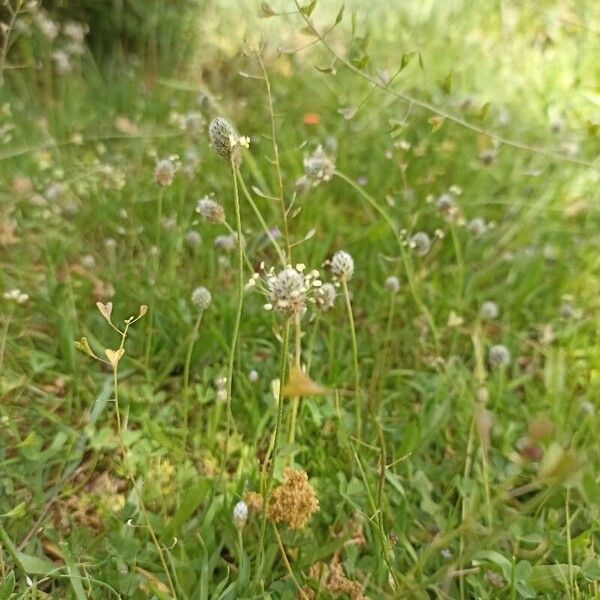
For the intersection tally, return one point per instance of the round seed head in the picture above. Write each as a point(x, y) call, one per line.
point(318, 166)
point(201, 298)
point(392, 284)
point(164, 172)
point(286, 291)
point(223, 139)
point(499, 356)
point(210, 210)
point(342, 265)
point(325, 297)
point(420, 243)
point(489, 311)
point(477, 226)
point(193, 238)
point(240, 514)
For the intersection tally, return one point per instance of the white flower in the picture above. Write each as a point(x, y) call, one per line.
point(210, 210)
point(392, 284)
point(240, 514)
point(318, 166)
point(325, 297)
point(164, 172)
point(342, 265)
point(16, 295)
point(201, 298)
point(499, 356)
point(287, 291)
point(420, 243)
point(489, 311)
point(253, 376)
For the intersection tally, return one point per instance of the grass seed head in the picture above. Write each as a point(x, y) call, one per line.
point(225, 141)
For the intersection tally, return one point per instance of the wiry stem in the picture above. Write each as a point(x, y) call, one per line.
point(238, 315)
point(409, 272)
point(276, 162)
point(357, 405)
point(186, 380)
point(130, 474)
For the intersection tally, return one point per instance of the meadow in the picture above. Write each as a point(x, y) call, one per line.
point(299, 300)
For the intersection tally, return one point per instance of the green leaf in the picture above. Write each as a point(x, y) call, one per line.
point(591, 570)
point(406, 58)
point(308, 9)
point(33, 565)
point(340, 15)
point(550, 577)
point(191, 499)
point(497, 559)
point(73, 572)
point(7, 586)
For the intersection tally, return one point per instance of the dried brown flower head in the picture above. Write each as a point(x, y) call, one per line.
point(293, 502)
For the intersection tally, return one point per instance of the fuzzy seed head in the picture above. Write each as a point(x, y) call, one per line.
point(420, 243)
point(240, 514)
point(392, 284)
point(342, 265)
point(489, 311)
point(210, 210)
point(499, 356)
point(201, 298)
point(477, 226)
point(164, 172)
point(287, 291)
point(223, 138)
point(325, 297)
point(193, 238)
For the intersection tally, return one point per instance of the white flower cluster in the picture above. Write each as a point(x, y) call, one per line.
point(289, 290)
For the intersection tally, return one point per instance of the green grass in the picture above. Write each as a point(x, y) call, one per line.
point(463, 481)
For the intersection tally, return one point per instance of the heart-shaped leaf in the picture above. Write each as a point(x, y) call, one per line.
point(114, 356)
point(105, 309)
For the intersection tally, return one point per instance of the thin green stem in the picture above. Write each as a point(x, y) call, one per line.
point(260, 218)
point(186, 380)
point(276, 162)
point(357, 406)
point(238, 314)
point(131, 477)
